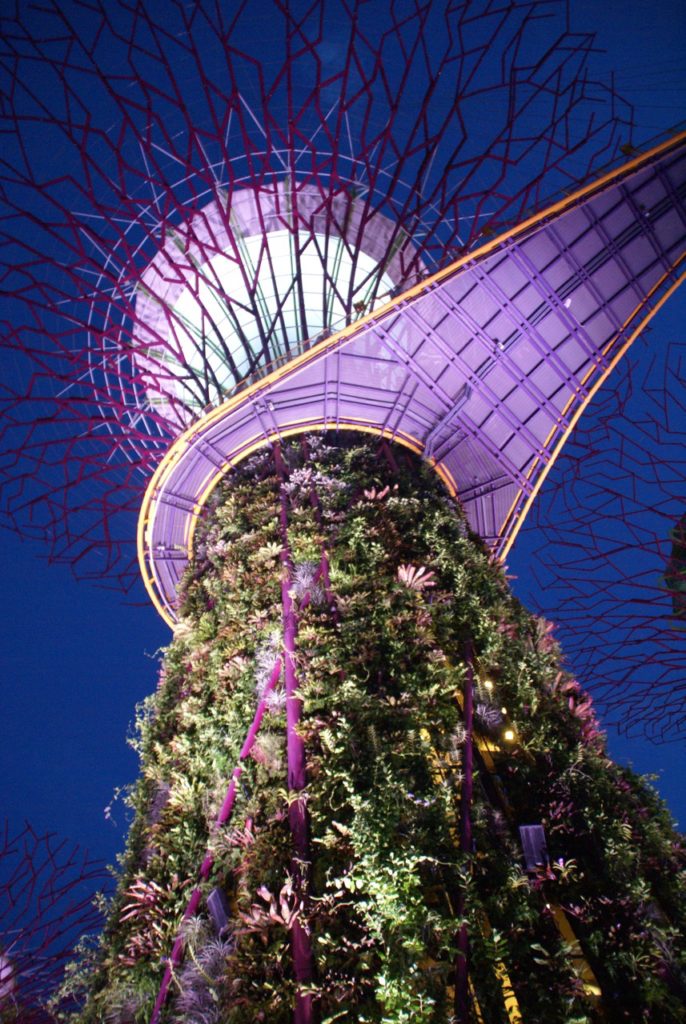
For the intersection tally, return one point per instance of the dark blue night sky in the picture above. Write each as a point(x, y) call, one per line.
point(75, 658)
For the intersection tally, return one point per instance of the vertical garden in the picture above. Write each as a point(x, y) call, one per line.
point(353, 661)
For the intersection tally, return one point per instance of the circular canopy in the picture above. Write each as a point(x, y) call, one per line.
point(247, 281)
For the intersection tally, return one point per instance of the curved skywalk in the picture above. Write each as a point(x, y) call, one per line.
point(483, 368)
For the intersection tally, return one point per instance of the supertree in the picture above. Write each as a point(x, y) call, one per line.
point(47, 905)
point(288, 271)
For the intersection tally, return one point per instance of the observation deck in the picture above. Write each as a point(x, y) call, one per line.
point(483, 369)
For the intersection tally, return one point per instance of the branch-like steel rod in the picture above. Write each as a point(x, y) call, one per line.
point(223, 816)
point(303, 965)
point(462, 1012)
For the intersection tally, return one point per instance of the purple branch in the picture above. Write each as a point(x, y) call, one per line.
point(222, 818)
point(297, 773)
point(462, 1013)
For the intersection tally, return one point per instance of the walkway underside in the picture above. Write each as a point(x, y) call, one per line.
point(483, 369)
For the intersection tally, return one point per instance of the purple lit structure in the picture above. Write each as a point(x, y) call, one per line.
point(484, 368)
point(245, 250)
point(155, 207)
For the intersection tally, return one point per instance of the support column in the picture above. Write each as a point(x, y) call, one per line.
point(303, 965)
point(462, 1013)
point(324, 558)
point(223, 817)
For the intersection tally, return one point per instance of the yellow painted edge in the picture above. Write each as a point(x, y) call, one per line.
point(513, 532)
point(510, 1000)
point(291, 430)
point(475, 1001)
point(143, 520)
point(586, 972)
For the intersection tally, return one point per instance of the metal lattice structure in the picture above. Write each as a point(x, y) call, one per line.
point(483, 369)
point(47, 892)
point(131, 136)
point(607, 535)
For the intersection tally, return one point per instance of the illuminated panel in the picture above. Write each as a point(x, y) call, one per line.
point(484, 367)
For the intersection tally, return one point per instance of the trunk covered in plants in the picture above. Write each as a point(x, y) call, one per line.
point(369, 859)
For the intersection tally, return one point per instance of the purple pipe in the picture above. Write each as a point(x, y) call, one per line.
point(323, 570)
point(175, 957)
point(389, 456)
point(301, 947)
point(462, 1011)
point(224, 815)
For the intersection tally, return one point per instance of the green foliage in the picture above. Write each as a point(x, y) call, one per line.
point(381, 679)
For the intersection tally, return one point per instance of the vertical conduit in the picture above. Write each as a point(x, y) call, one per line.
point(324, 557)
point(223, 817)
point(462, 1013)
point(297, 774)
